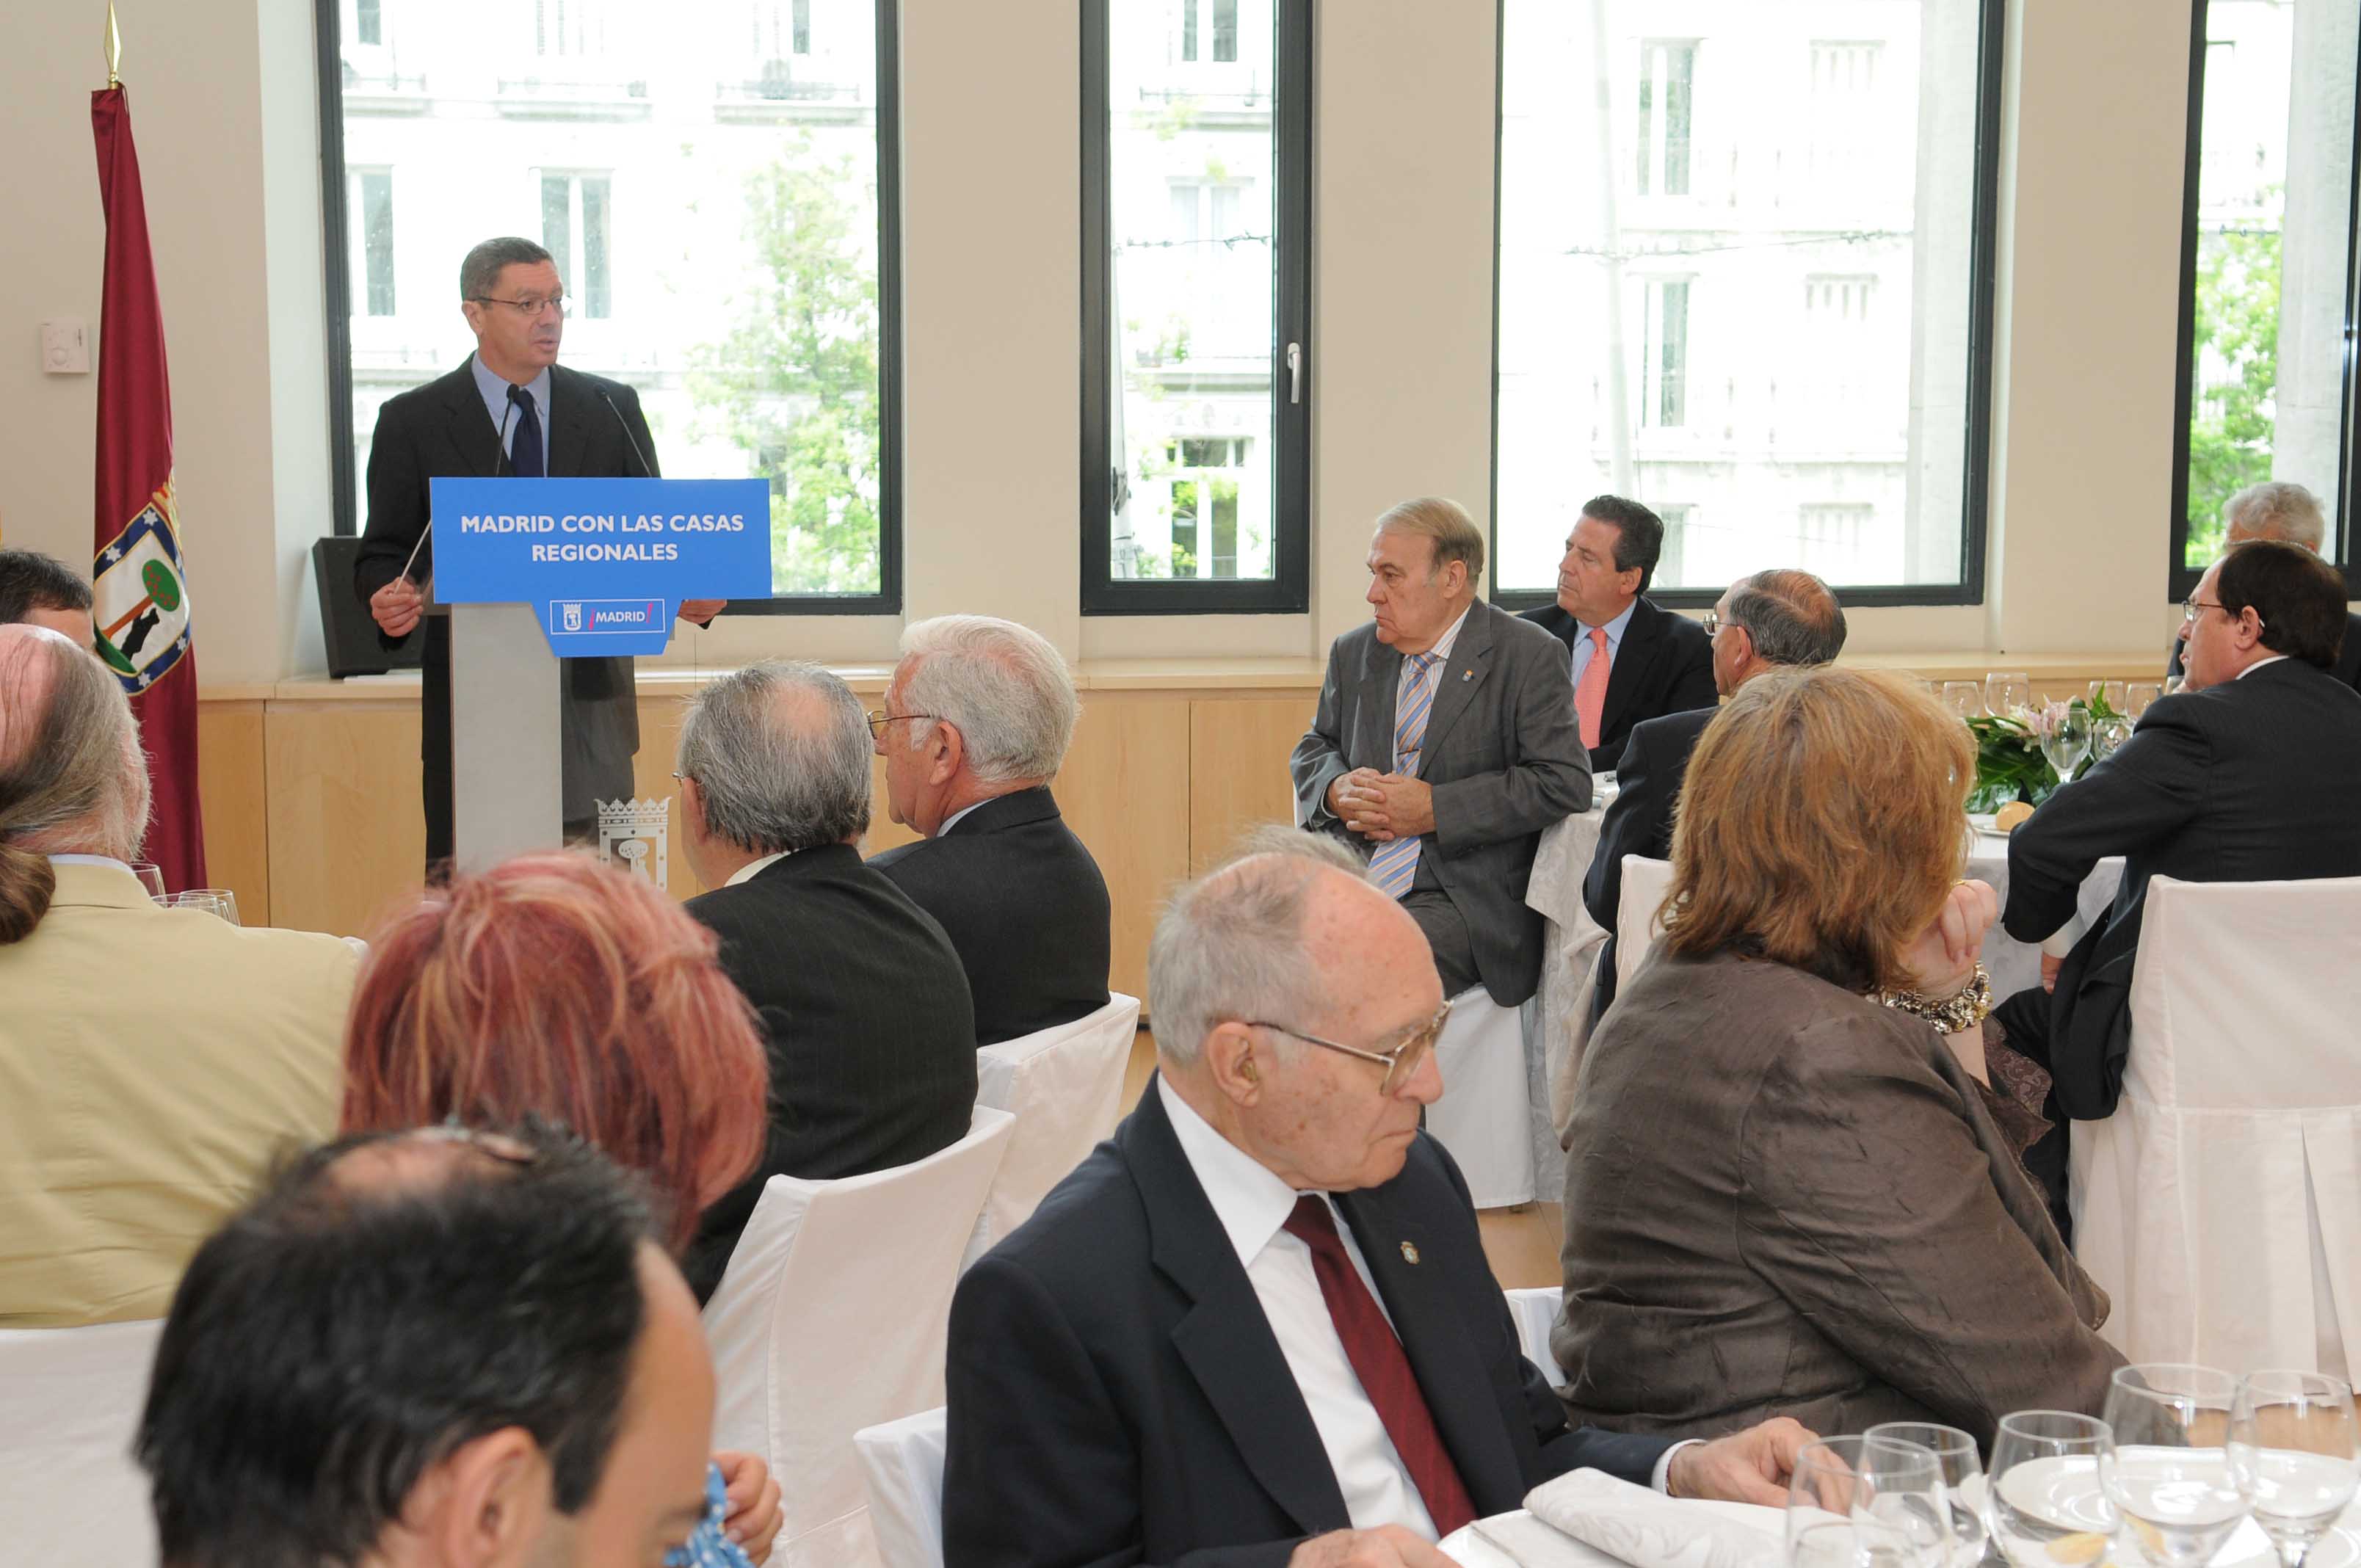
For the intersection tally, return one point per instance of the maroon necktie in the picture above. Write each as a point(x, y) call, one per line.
point(1386, 1376)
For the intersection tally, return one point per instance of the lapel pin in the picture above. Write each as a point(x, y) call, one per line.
point(1410, 1253)
point(1467, 675)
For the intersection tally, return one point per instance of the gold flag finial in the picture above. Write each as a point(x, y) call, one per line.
point(114, 46)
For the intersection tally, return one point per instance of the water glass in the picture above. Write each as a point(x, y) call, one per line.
point(2067, 740)
point(2007, 693)
point(2112, 693)
point(2108, 733)
point(151, 877)
point(1891, 1495)
point(2293, 1456)
point(2138, 695)
point(1841, 1543)
point(2043, 1502)
point(218, 901)
point(1962, 700)
point(1964, 1478)
point(2168, 1473)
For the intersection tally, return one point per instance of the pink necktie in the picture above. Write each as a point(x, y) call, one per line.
point(1590, 697)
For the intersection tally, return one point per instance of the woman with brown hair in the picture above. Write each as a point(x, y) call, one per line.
point(1793, 1185)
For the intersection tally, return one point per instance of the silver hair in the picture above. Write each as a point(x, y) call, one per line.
point(72, 776)
point(1001, 685)
point(1792, 615)
point(780, 752)
point(2276, 509)
point(479, 274)
point(1230, 945)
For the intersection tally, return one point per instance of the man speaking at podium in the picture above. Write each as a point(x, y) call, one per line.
point(510, 409)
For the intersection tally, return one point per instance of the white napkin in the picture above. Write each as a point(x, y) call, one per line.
point(1648, 1530)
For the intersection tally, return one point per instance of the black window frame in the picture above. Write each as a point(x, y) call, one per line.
point(1975, 525)
point(2344, 530)
point(334, 224)
point(1288, 591)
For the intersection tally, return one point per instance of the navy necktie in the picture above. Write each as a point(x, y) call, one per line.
point(524, 437)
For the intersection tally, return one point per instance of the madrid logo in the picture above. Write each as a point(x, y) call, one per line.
point(142, 599)
point(573, 617)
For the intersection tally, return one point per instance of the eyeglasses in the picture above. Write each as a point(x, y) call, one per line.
point(1401, 1063)
point(529, 307)
point(1713, 623)
point(2193, 604)
point(879, 718)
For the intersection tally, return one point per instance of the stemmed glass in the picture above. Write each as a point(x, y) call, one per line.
point(1963, 698)
point(2108, 733)
point(2112, 693)
point(2044, 1503)
point(1964, 1478)
point(2169, 1471)
point(2292, 1454)
point(2067, 740)
point(218, 901)
point(151, 877)
point(2007, 693)
point(2137, 696)
point(1867, 1502)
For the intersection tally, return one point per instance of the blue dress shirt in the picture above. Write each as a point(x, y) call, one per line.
point(1615, 629)
point(495, 392)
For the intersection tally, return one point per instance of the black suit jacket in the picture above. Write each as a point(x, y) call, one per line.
point(1118, 1395)
point(2347, 667)
point(1665, 666)
point(1023, 904)
point(2248, 781)
point(441, 430)
point(1639, 821)
point(871, 1039)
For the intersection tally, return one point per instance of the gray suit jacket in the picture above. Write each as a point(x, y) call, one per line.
point(1502, 751)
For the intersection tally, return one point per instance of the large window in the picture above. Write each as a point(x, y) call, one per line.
point(1744, 278)
point(2268, 301)
point(723, 220)
point(1196, 120)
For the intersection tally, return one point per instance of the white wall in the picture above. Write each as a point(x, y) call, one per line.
point(1400, 360)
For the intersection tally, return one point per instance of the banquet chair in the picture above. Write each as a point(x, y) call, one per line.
point(1638, 924)
point(69, 1403)
point(1485, 1117)
point(2220, 1206)
point(901, 1464)
point(1534, 1309)
point(832, 1317)
point(1064, 1086)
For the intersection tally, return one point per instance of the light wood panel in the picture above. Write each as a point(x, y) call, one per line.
point(347, 833)
point(1238, 748)
point(231, 795)
point(1125, 791)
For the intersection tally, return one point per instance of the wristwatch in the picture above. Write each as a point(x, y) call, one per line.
point(1965, 1010)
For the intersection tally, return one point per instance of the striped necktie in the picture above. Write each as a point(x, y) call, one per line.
point(1395, 863)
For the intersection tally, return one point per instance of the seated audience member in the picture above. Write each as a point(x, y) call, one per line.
point(1443, 745)
point(35, 591)
point(2277, 509)
point(986, 711)
point(1781, 1194)
point(1767, 621)
point(433, 1349)
point(871, 1032)
point(2245, 776)
point(552, 988)
point(124, 1025)
point(1631, 661)
point(1257, 1326)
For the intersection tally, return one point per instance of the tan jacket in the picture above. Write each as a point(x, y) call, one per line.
point(1782, 1199)
point(152, 1064)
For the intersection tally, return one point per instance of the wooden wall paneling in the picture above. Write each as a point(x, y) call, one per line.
point(660, 716)
point(232, 792)
point(347, 833)
point(1238, 748)
point(1124, 791)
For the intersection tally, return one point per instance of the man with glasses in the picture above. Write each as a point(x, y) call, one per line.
point(2245, 776)
point(1257, 1326)
point(510, 409)
point(2276, 509)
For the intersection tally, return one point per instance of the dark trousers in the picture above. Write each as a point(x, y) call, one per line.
point(2025, 1018)
point(1447, 934)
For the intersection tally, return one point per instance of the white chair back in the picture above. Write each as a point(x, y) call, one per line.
point(902, 1462)
point(1534, 1309)
point(1485, 1117)
point(831, 1318)
point(1638, 920)
point(69, 1403)
point(1064, 1086)
point(2220, 1206)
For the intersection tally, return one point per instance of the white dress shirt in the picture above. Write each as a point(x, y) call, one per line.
point(753, 869)
point(1442, 644)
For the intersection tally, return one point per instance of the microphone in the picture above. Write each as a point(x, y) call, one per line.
point(647, 469)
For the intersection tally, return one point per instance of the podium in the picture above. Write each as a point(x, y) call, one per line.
point(535, 571)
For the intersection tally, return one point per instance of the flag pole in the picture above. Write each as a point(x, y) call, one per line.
point(114, 46)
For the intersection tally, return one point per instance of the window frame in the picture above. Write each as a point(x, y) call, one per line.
point(1288, 591)
point(2344, 530)
point(346, 500)
point(1991, 37)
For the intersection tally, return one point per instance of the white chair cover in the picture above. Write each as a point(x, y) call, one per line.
point(70, 1402)
point(2220, 1206)
point(1485, 1117)
point(1637, 924)
point(1534, 1309)
point(1064, 1086)
point(902, 1462)
point(831, 1318)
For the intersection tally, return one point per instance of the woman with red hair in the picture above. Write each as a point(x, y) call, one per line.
point(556, 988)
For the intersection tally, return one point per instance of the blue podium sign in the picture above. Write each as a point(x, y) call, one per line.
point(604, 562)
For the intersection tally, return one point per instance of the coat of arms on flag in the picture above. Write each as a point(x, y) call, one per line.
point(141, 598)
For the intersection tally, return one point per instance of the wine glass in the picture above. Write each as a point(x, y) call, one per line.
point(2007, 693)
point(2111, 693)
point(2043, 1503)
point(1891, 1495)
point(1963, 698)
point(151, 877)
point(218, 901)
point(2293, 1456)
point(1841, 1543)
point(2067, 740)
point(1964, 1478)
point(2137, 696)
point(2108, 733)
point(2169, 1471)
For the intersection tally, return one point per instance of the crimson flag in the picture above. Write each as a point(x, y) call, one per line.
point(142, 592)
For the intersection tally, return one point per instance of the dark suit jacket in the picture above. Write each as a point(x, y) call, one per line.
point(440, 430)
point(2347, 667)
point(1665, 665)
point(1640, 820)
point(872, 1038)
point(1023, 904)
point(2248, 781)
point(1118, 1395)
point(1504, 757)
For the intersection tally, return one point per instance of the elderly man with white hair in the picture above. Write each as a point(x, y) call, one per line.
point(1256, 1328)
point(2276, 509)
point(153, 1062)
point(986, 710)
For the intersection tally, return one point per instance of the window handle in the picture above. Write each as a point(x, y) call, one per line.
point(1295, 372)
